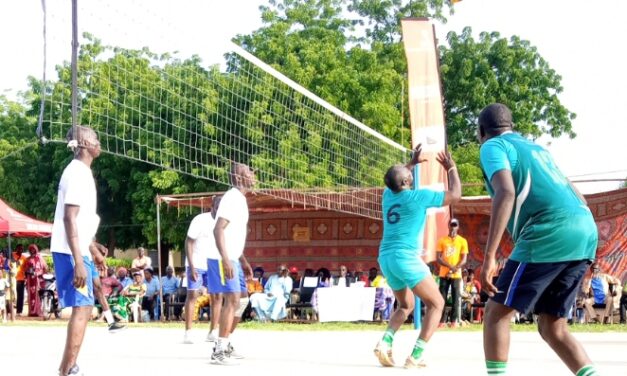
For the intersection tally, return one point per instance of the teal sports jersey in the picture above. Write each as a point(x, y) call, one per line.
point(549, 222)
point(404, 214)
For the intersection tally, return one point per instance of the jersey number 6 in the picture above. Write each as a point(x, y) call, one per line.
point(393, 217)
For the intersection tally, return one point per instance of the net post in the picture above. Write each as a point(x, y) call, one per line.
point(161, 302)
point(74, 64)
point(417, 311)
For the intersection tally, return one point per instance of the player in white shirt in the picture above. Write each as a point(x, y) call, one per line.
point(75, 225)
point(200, 245)
point(226, 276)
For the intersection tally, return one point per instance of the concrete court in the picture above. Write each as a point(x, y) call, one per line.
point(155, 351)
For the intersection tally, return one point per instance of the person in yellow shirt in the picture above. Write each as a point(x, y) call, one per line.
point(452, 253)
point(20, 261)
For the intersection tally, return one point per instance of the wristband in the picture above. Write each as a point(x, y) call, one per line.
point(450, 169)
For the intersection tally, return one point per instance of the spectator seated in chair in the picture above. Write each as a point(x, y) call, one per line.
point(602, 291)
point(295, 278)
point(256, 283)
point(343, 279)
point(134, 294)
point(203, 301)
point(169, 285)
point(470, 297)
point(111, 286)
point(271, 304)
point(123, 278)
point(149, 302)
point(324, 280)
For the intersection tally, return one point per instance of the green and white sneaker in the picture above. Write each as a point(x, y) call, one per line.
point(411, 362)
point(383, 352)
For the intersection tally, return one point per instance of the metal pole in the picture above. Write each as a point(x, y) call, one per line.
point(11, 297)
point(159, 256)
point(74, 64)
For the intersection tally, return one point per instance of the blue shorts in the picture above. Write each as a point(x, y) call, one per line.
point(200, 282)
point(218, 284)
point(403, 269)
point(549, 288)
point(69, 296)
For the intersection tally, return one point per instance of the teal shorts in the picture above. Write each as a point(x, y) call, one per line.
point(403, 269)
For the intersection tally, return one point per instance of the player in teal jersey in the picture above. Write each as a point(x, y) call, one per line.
point(404, 214)
point(555, 239)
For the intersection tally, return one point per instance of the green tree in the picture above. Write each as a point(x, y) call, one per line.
point(494, 69)
point(350, 53)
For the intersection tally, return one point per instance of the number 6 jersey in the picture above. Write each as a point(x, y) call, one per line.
point(404, 214)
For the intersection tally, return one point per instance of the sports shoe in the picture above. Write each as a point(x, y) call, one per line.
point(211, 337)
point(383, 351)
point(187, 340)
point(116, 327)
point(410, 362)
point(221, 358)
point(231, 353)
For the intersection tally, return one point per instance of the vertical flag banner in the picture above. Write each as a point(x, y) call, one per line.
point(427, 119)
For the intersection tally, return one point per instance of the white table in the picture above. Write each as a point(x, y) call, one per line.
point(346, 303)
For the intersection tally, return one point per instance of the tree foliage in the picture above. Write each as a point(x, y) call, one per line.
point(494, 69)
point(350, 53)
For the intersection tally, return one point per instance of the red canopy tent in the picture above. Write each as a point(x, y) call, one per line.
point(17, 225)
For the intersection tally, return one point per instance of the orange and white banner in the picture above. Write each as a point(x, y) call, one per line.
point(427, 119)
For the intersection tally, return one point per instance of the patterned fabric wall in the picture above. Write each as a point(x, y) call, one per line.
point(315, 239)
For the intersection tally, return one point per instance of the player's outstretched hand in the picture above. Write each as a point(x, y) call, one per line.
point(415, 155)
point(488, 270)
point(444, 158)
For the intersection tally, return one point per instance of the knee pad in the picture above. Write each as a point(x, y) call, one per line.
point(243, 303)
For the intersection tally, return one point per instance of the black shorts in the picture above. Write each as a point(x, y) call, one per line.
point(549, 288)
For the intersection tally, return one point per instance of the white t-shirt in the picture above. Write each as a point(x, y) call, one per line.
point(77, 187)
point(143, 263)
point(201, 230)
point(234, 208)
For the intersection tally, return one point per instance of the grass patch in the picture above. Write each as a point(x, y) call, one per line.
point(329, 326)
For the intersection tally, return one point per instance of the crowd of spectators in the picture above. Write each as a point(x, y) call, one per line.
point(135, 294)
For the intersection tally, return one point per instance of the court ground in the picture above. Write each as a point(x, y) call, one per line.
point(159, 351)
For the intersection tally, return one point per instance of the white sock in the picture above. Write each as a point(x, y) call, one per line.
point(108, 316)
point(222, 344)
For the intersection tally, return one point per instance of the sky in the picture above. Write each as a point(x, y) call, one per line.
point(582, 40)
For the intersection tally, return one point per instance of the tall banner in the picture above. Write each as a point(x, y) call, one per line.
point(427, 119)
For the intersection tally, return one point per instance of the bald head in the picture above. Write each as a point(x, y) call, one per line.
point(397, 178)
point(495, 119)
